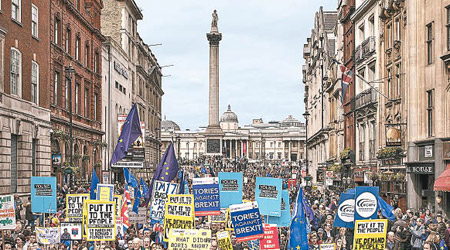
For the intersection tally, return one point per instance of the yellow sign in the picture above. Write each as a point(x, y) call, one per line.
point(179, 216)
point(370, 235)
point(118, 200)
point(228, 222)
point(100, 219)
point(189, 239)
point(224, 241)
point(185, 199)
point(105, 192)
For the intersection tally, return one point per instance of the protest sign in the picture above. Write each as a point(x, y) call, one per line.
point(230, 188)
point(47, 235)
point(366, 203)
point(219, 218)
point(100, 220)
point(189, 239)
point(246, 221)
point(285, 219)
point(105, 192)
point(206, 196)
point(268, 195)
point(140, 217)
point(7, 212)
point(119, 228)
point(327, 246)
point(178, 216)
point(370, 234)
point(118, 200)
point(346, 211)
point(224, 241)
point(71, 231)
point(74, 206)
point(43, 194)
point(228, 222)
point(185, 199)
point(254, 245)
point(270, 240)
point(159, 198)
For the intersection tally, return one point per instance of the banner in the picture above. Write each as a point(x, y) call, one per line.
point(159, 198)
point(246, 221)
point(219, 218)
point(100, 220)
point(189, 239)
point(285, 219)
point(328, 246)
point(7, 212)
point(206, 196)
point(270, 240)
point(140, 217)
point(74, 207)
point(47, 235)
point(366, 203)
point(178, 216)
point(71, 231)
point(224, 241)
point(105, 192)
point(118, 200)
point(230, 188)
point(346, 211)
point(370, 234)
point(268, 195)
point(43, 194)
point(185, 199)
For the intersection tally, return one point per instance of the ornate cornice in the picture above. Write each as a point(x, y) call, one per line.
point(214, 38)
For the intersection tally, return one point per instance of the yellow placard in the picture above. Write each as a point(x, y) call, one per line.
point(104, 192)
point(100, 220)
point(178, 216)
point(186, 199)
point(190, 239)
point(224, 241)
point(118, 200)
point(370, 235)
point(228, 222)
point(331, 246)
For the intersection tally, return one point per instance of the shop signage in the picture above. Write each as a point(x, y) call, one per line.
point(421, 169)
point(428, 151)
point(120, 70)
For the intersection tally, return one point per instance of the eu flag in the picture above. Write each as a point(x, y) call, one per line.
point(94, 183)
point(145, 192)
point(131, 130)
point(298, 238)
point(386, 209)
point(130, 179)
point(308, 211)
point(137, 200)
point(181, 176)
point(168, 166)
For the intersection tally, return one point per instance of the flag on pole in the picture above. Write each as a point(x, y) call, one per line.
point(347, 76)
point(181, 189)
point(130, 179)
point(167, 168)
point(386, 209)
point(145, 192)
point(94, 183)
point(131, 130)
point(137, 200)
point(298, 239)
point(124, 210)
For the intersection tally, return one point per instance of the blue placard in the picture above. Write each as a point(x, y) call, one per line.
point(285, 219)
point(268, 195)
point(43, 194)
point(366, 203)
point(230, 186)
point(105, 190)
point(206, 197)
point(345, 216)
point(246, 221)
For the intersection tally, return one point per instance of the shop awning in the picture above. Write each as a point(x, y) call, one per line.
point(442, 183)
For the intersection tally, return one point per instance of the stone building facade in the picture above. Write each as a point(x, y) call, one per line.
point(132, 75)
point(76, 40)
point(24, 94)
point(318, 53)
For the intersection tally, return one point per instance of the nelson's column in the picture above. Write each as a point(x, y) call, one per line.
point(213, 132)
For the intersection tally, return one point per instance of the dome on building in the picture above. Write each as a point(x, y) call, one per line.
point(229, 116)
point(290, 121)
point(168, 125)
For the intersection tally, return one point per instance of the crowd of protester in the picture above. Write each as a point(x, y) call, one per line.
point(412, 229)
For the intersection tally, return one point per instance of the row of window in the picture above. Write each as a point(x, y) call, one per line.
point(16, 76)
point(16, 15)
point(121, 88)
point(95, 66)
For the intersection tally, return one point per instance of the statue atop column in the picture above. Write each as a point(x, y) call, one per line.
point(215, 19)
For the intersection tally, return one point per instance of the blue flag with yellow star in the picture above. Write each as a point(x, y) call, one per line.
point(168, 166)
point(298, 238)
point(130, 178)
point(131, 130)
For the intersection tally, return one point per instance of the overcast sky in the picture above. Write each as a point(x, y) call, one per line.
point(260, 55)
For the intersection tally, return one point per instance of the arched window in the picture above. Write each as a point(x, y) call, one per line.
point(55, 147)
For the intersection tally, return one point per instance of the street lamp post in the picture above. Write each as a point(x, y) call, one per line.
point(69, 74)
point(187, 143)
point(306, 115)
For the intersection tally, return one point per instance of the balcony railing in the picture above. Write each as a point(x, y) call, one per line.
point(358, 54)
point(366, 97)
point(372, 151)
point(365, 50)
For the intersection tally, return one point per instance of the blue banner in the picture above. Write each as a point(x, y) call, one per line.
point(43, 194)
point(268, 195)
point(105, 192)
point(285, 219)
point(230, 186)
point(206, 196)
point(246, 221)
point(345, 216)
point(366, 203)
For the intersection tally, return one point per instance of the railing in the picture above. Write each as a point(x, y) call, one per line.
point(366, 97)
point(368, 46)
point(358, 54)
point(361, 151)
point(372, 151)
